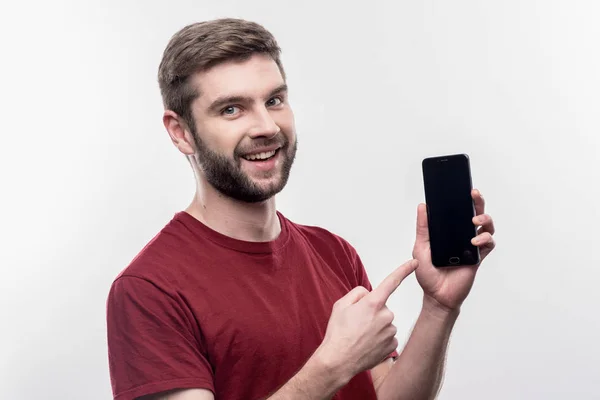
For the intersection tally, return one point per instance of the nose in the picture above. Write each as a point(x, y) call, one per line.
point(263, 125)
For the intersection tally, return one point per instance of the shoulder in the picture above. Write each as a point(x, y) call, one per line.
point(320, 236)
point(160, 261)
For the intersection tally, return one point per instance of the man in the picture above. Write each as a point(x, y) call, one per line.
point(231, 300)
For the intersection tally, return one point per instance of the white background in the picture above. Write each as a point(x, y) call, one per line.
point(88, 174)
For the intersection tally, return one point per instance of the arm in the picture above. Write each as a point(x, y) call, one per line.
point(315, 381)
point(185, 394)
point(418, 371)
point(417, 374)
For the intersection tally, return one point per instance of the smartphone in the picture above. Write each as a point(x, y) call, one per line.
point(450, 210)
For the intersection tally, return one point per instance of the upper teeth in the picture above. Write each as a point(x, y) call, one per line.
point(261, 156)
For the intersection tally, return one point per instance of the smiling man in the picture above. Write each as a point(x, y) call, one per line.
point(232, 300)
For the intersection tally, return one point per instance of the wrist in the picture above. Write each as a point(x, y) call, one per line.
point(437, 310)
point(331, 369)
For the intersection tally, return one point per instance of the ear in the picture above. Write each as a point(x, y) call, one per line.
point(179, 132)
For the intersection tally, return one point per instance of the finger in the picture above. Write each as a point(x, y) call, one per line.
point(482, 239)
point(487, 248)
point(422, 228)
point(479, 202)
point(381, 293)
point(485, 222)
point(352, 297)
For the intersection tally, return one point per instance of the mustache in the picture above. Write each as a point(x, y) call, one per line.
point(259, 143)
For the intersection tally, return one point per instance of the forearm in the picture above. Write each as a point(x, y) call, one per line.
point(418, 371)
point(317, 380)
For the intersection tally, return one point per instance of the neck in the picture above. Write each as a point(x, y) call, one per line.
point(253, 222)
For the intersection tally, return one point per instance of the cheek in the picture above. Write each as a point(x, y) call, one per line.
point(287, 124)
point(222, 136)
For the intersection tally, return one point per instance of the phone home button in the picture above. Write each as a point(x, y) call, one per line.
point(454, 260)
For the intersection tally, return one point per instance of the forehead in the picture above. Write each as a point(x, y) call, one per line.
point(253, 77)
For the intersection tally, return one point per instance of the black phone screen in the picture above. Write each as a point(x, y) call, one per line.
point(450, 210)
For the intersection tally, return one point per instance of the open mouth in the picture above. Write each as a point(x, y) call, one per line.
point(261, 156)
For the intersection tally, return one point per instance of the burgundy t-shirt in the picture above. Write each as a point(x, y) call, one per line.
point(198, 309)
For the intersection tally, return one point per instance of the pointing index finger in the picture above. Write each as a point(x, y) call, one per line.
point(389, 285)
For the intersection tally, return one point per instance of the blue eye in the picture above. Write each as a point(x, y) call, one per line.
point(277, 101)
point(229, 110)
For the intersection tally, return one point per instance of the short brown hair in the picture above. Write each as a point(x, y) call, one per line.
point(200, 46)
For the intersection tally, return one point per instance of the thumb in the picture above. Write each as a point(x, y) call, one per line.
point(422, 227)
point(352, 297)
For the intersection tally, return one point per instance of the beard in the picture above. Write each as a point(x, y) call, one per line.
point(226, 175)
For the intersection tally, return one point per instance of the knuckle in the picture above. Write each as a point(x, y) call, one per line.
point(374, 303)
point(389, 316)
point(386, 316)
point(393, 330)
point(361, 290)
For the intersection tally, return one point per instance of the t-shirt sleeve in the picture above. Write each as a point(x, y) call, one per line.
point(151, 343)
point(361, 274)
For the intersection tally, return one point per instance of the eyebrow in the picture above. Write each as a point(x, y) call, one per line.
point(223, 101)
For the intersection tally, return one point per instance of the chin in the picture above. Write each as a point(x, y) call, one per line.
point(271, 189)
